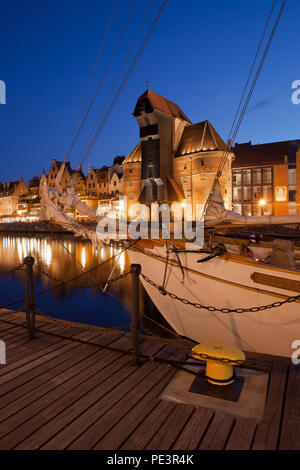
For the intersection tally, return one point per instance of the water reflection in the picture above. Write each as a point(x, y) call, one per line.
point(63, 259)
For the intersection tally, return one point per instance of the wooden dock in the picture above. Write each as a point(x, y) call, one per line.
point(59, 393)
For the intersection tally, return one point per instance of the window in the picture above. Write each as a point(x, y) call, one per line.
point(267, 193)
point(115, 183)
point(256, 176)
point(267, 175)
point(237, 194)
point(247, 210)
point(237, 208)
point(246, 177)
point(150, 171)
point(202, 161)
point(292, 177)
point(237, 178)
point(292, 195)
point(281, 193)
point(247, 194)
point(257, 193)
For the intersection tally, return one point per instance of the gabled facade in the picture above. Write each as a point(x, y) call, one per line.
point(54, 169)
point(97, 182)
point(175, 160)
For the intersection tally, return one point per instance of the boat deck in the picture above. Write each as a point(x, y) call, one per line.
point(59, 393)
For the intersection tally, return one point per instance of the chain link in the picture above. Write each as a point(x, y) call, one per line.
point(118, 278)
point(162, 291)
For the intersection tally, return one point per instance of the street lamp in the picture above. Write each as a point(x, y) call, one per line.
point(262, 203)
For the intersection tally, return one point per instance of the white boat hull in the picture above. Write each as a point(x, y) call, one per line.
point(224, 282)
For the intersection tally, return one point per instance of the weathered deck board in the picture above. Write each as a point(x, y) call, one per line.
point(289, 438)
point(268, 430)
point(59, 393)
point(218, 432)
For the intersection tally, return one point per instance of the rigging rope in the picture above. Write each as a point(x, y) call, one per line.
point(102, 78)
point(126, 78)
point(92, 75)
point(235, 128)
point(116, 80)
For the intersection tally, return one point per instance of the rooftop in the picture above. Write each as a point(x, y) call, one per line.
point(263, 154)
point(200, 137)
point(157, 101)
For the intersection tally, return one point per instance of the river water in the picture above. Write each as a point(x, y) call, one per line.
point(62, 258)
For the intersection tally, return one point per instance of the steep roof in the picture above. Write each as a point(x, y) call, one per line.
point(200, 137)
point(135, 156)
point(263, 154)
point(162, 104)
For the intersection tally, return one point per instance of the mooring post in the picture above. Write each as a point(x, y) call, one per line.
point(29, 296)
point(135, 270)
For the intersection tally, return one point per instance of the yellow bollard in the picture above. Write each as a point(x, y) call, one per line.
point(220, 360)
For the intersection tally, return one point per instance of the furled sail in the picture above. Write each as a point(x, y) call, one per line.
point(54, 202)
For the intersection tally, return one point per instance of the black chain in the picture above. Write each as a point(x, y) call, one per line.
point(162, 291)
point(224, 360)
point(118, 278)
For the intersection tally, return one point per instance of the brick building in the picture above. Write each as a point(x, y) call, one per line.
point(97, 182)
point(175, 160)
point(265, 178)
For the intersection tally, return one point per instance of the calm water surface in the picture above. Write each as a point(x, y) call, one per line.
point(63, 258)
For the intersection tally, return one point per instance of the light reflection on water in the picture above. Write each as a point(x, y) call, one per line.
point(64, 258)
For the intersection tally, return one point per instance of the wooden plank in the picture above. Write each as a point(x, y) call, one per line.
point(32, 356)
point(77, 418)
point(275, 281)
point(268, 430)
point(242, 435)
point(193, 432)
point(22, 424)
point(111, 409)
point(46, 376)
point(147, 416)
point(168, 433)
point(218, 432)
point(289, 437)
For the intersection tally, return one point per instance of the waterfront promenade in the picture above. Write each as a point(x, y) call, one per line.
point(70, 389)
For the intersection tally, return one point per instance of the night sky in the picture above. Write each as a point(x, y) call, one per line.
point(199, 56)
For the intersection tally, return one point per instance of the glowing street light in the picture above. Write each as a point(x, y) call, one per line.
point(262, 203)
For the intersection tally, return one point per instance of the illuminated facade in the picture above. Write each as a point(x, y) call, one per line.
point(265, 178)
point(175, 160)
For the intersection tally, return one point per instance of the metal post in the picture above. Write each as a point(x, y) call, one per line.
point(135, 270)
point(29, 296)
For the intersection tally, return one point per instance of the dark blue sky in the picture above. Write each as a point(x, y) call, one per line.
point(198, 56)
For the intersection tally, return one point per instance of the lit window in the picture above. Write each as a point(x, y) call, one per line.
point(281, 193)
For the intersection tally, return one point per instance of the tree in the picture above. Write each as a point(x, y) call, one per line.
point(119, 159)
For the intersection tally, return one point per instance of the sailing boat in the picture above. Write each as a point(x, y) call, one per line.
point(220, 294)
point(229, 292)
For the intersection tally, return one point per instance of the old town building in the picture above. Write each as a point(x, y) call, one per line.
point(97, 182)
point(265, 178)
point(54, 169)
point(9, 197)
point(175, 160)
